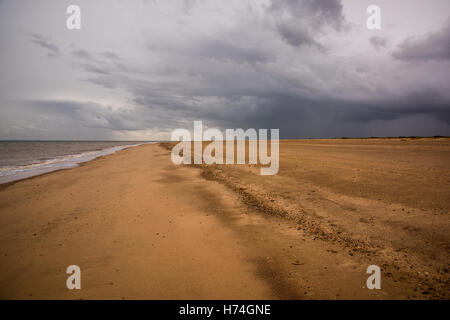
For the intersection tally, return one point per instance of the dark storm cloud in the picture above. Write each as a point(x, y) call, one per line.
point(318, 12)
point(302, 113)
point(228, 81)
point(433, 46)
point(378, 42)
point(299, 22)
point(292, 65)
point(46, 43)
point(427, 102)
point(297, 36)
point(297, 115)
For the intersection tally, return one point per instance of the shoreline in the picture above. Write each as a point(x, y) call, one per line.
point(4, 185)
point(66, 162)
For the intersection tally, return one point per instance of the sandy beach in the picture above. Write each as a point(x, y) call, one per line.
point(140, 227)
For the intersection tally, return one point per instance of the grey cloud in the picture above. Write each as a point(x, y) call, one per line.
point(46, 43)
point(87, 114)
point(111, 55)
point(92, 115)
point(318, 12)
point(95, 69)
point(87, 56)
point(300, 21)
point(97, 64)
point(47, 120)
point(89, 63)
point(433, 46)
point(82, 54)
point(106, 82)
point(427, 102)
point(327, 12)
point(297, 115)
point(231, 47)
point(291, 113)
point(222, 50)
point(188, 5)
point(252, 69)
point(303, 112)
point(297, 36)
point(378, 42)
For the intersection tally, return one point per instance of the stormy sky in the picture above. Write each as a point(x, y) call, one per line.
point(138, 69)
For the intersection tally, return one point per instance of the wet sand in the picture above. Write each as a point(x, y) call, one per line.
point(141, 227)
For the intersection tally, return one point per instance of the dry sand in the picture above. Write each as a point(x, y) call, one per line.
point(140, 227)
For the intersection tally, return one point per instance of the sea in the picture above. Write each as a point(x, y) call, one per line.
point(23, 159)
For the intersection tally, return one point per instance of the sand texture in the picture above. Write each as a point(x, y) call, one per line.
point(141, 227)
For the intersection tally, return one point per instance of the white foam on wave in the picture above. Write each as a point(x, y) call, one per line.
point(12, 173)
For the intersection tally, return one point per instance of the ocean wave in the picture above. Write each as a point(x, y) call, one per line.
point(12, 173)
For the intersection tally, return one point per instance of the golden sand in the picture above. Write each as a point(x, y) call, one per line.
point(141, 227)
